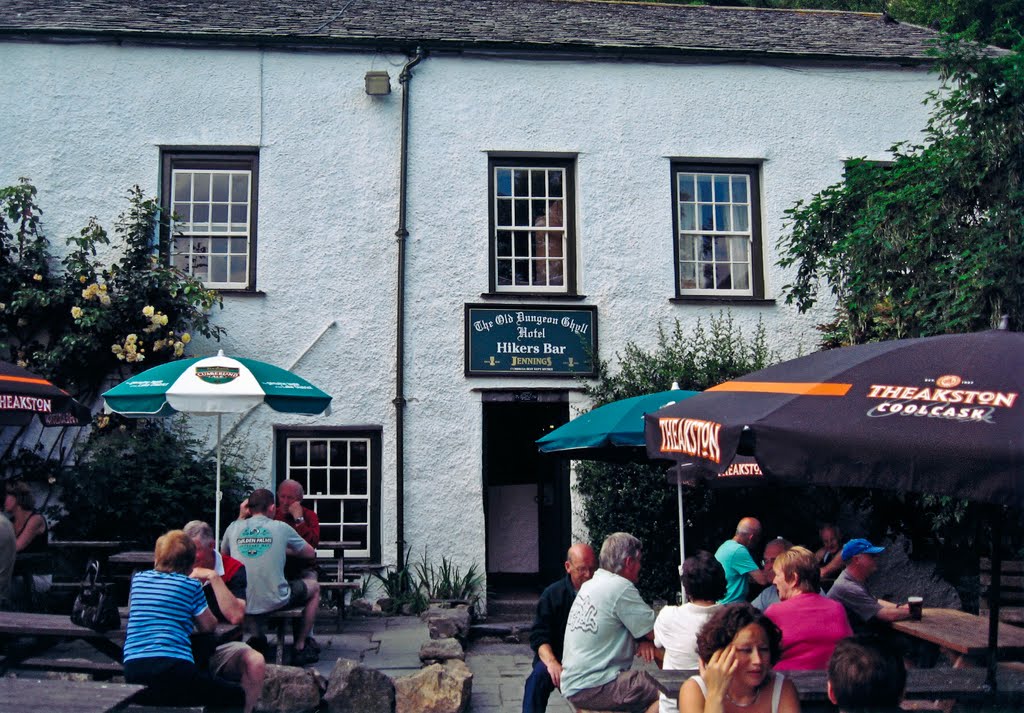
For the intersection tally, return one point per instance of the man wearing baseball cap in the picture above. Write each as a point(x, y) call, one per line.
point(851, 591)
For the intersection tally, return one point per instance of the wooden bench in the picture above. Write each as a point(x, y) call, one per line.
point(965, 685)
point(28, 695)
point(1011, 586)
point(277, 620)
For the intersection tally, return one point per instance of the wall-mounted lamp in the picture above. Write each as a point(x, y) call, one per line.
point(378, 83)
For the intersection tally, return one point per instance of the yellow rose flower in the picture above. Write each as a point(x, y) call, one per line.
point(186, 338)
point(76, 312)
point(148, 310)
point(37, 277)
point(83, 279)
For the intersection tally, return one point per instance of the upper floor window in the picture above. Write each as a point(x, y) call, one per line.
point(212, 197)
point(718, 233)
point(533, 243)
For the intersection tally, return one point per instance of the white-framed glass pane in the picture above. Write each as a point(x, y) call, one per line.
point(335, 473)
point(208, 203)
point(714, 227)
point(531, 200)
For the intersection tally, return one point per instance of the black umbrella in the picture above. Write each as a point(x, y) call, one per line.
point(24, 395)
point(937, 415)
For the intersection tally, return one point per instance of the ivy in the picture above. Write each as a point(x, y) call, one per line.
point(81, 323)
point(932, 243)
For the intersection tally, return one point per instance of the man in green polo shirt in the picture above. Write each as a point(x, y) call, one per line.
point(739, 565)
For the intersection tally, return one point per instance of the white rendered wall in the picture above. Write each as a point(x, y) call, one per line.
point(85, 122)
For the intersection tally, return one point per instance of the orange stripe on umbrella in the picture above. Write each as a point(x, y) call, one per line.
point(785, 387)
point(25, 380)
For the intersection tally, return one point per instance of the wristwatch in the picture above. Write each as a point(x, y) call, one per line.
point(300, 519)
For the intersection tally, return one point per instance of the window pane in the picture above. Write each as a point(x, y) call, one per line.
point(338, 454)
point(522, 272)
point(182, 186)
point(357, 482)
point(522, 213)
point(328, 511)
point(183, 212)
point(722, 215)
point(355, 533)
point(239, 187)
point(359, 452)
point(317, 480)
point(201, 183)
point(201, 214)
point(740, 249)
point(739, 218)
point(538, 184)
point(704, 188)
point(521, 182)
point(707, 277)
point(707, 217)
point(219, 245)
point(688, 275)
point(741, 277)
point(220, 187)
point(220, 213)
point(686, 248)
point(504, 276)
point(721, 249)
point(739, 189)
point(503, 181)
point(521, 246)
point(239, 269)
point(724, 276)
point(504, 243)
point(555, 184)
point(721, 189)
point(687, 217)
point(707, 244)
point(357, 511)
point(686, 189)
point(504, 211)
point(218, 269)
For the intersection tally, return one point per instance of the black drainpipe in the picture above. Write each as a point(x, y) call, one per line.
point(402, 233)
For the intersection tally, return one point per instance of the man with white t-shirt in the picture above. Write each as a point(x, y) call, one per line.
point(608, 625)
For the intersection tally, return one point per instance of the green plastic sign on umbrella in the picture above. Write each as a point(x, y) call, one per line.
point(214, 386)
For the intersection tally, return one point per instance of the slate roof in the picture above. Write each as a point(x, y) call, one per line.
point(555, 26)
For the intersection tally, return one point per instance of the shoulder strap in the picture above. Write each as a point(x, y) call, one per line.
point(703, 686)
point(777, 692)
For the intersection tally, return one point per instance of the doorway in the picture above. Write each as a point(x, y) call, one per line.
point(526, 493)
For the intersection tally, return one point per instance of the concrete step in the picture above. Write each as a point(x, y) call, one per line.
point(511, 609)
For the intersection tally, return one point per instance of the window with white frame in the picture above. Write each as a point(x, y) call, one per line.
point(718, 235)
point(212, 199)
point(339, 470)
point(532, 243)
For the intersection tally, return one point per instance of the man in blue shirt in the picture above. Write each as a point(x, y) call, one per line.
point(739, 565)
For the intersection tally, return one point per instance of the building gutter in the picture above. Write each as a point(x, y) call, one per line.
point(402, 235)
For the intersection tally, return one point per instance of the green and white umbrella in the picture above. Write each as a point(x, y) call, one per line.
point(213, 386)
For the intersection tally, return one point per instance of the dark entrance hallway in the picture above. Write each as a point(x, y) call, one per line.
point(526, 493)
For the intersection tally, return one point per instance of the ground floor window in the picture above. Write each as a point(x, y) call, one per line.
point(339, 469)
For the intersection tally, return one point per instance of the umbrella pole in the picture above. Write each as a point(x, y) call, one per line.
point(682, 526)
point(994, 595)
point(216, 503)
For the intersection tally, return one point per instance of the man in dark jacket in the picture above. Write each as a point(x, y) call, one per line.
point(548, 632)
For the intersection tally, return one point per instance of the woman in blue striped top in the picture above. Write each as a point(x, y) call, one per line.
point(164, 604)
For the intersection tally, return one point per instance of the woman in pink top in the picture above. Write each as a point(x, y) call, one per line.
point(811, 624)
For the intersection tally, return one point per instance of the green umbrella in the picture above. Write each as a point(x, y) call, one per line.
point(613, 432)
point(214, 386)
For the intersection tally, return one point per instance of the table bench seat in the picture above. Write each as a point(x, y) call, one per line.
point(277, 620)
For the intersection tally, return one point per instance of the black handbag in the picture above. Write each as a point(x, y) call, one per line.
point(94, 606)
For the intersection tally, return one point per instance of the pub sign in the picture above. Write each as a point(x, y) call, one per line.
point(513, 340)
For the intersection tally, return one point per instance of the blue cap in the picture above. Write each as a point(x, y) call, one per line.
point(860, 546)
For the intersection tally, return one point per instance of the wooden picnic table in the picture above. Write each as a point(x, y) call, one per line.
point(27, 695)
point(133, 557)
point(964, 634)
point(338, 585)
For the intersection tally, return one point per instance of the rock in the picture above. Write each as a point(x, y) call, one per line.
point(356, 689)
point(364, 607)
point(447, 623)
point(435, 689)
point(289, 689)
point(441, 650)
